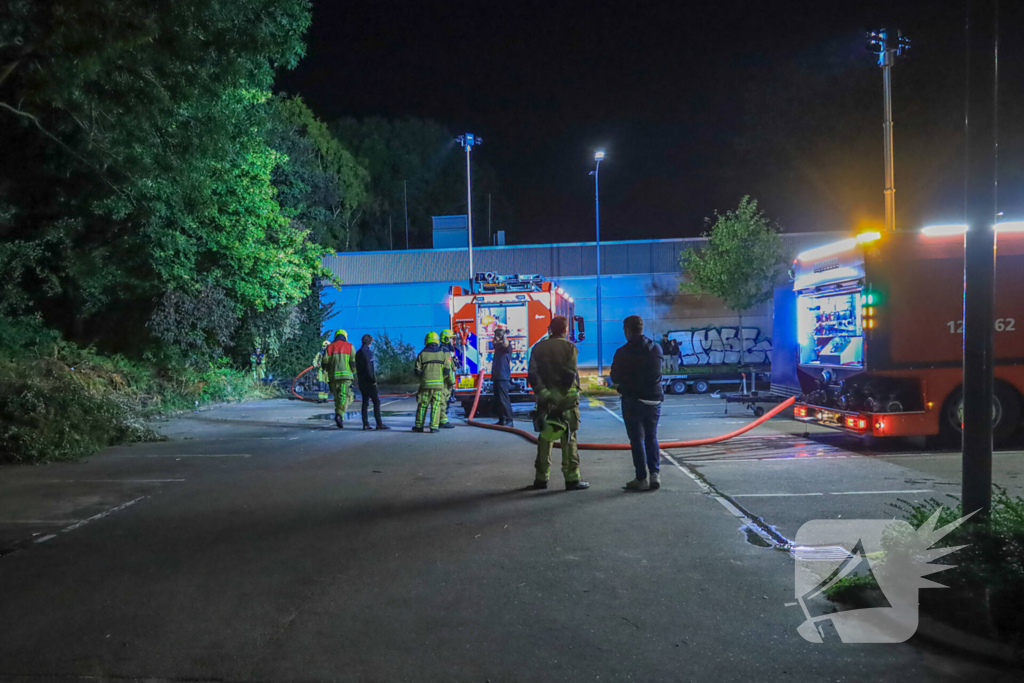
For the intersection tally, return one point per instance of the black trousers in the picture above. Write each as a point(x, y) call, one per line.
point(370, 394)
point(502, 405)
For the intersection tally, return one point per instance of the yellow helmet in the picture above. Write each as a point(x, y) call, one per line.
point(446, 336)
point(341, 333)
point(325, 344)
point(432, 338)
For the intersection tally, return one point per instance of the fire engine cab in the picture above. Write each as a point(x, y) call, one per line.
point(524, 305)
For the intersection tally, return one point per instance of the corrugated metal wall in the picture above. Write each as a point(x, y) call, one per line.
point(550, 260)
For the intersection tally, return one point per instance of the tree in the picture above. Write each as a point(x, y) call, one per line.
point(421, 156)
point(741, 262)
point(136, 164)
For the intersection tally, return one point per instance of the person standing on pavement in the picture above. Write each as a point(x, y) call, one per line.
point(448, 347)
point(434, 368)
point(556, 383)
point(673, 356)
point(366, 373)
point(501, 377)
point(340, 365)
point(636, 374)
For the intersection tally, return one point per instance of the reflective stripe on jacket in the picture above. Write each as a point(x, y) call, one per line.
point(434, 368)
point(340, 360)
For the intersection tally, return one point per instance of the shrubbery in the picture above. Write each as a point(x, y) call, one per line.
point(395, 359)
point(59, 401)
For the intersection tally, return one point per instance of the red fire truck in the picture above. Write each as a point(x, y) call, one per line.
point(524, 306)
point(880, 333)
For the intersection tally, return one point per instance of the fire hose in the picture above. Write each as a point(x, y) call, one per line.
point(313, 400)
point(624, 446)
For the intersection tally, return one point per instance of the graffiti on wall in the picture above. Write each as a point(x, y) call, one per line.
point(723, 346)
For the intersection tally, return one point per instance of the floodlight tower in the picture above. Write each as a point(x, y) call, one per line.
point(888, 45)
point(468, 140)
point(598, 158)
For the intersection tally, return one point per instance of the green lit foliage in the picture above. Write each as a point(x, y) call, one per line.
point(321, 186)
point(137, 164)
point(741, 261)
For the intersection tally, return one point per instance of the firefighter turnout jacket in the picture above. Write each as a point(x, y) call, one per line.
point(339, 360)
point(434, 368)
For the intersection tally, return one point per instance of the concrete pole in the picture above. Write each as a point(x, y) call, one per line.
point(887, 59)
point(469, 214)
point(597, 225)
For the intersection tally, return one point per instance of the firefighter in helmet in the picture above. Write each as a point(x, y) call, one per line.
point(556, 383)
point(339, 362)
point(434, 368)
point(321, 376)
point(448, 347)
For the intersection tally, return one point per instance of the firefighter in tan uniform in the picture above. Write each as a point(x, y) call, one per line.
point(434, 368)
point(556, 383)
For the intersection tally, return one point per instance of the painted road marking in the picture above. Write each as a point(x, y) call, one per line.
point(107, 481)
point(772, 495)
point(201, 455)
point(39, 521)
point(868, 493)
point(82, 522)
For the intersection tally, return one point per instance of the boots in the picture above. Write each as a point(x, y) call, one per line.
point(655, 481)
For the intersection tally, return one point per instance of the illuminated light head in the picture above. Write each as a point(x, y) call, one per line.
point(431, 338)
point(867, 237)
point(944, 230)
point(599, 155)
point(1010, 226)
point(341, 334)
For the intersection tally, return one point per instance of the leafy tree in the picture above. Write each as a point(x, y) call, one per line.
point(136, 159)
point(423, 157)
point(321, 186)
point(741, 261)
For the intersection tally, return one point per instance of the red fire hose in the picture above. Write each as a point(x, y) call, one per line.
point(313, 400)
point(625, 446)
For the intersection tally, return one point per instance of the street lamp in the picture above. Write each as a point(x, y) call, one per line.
point(888, 45)
point(467, 141)
point(598, 158)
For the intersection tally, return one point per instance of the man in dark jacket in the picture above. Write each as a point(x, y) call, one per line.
point(501, 377)
point(366, 373)
point(636, 374)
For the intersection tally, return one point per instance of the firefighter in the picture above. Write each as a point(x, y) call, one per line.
point(556, 383)
point(259, 368)
point(448, 347)
point(321, 376)
point(434, 368)
point(339, 363)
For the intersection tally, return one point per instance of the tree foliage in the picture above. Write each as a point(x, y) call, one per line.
point(422, 158)
point(137, 163)
point(741, 261)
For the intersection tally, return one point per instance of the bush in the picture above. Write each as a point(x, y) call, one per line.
point(395, 359)
point(59, 401)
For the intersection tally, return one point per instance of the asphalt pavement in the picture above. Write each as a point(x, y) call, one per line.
point(260, 543)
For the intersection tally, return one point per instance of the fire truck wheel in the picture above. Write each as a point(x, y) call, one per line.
point(701, 386)
point(1006, 413)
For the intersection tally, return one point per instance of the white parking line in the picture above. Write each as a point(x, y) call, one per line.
point(82, 522)
point(39, 521)
point(201, 455)
point(772, 495)
point(868, 493)
point(107, 481)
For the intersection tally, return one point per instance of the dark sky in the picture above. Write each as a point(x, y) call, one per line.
point(665, 88)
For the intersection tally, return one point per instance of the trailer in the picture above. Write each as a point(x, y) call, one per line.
point(703, 382)
point(879, 334)
point(524, 305)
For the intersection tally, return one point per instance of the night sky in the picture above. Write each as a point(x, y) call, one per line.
point(696, 104)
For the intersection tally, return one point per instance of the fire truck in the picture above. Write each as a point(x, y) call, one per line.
point(879, 338)
point(524, 305)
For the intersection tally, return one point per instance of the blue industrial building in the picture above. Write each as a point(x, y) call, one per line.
point(405, 292)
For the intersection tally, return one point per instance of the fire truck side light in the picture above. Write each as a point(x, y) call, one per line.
point(866, 237)
point(944, 230)
point(800, 411)
point(871, 311)
point(871, 299)
point(571, 300)
point(880, 425)
point(828, 250)
point(930, 405)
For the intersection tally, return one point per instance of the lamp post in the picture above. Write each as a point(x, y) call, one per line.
point(468, 140)
point(888, 46)
point(598, 158)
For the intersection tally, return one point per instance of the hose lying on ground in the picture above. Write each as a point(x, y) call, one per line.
point(624, 446)
point(313, 400)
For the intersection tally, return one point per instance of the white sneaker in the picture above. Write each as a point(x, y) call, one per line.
point(637, 485)
point(655, 481)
